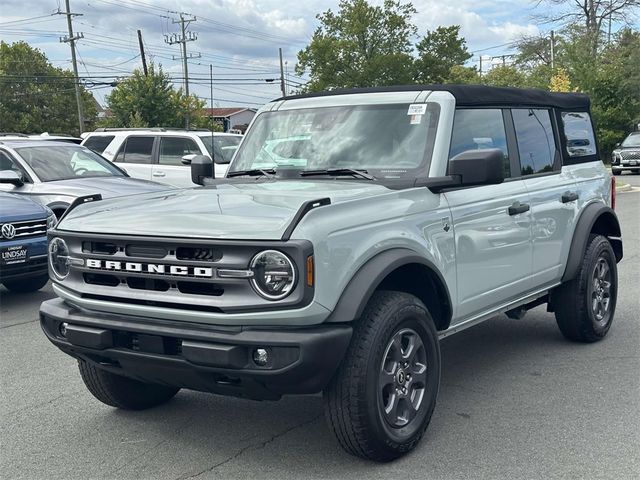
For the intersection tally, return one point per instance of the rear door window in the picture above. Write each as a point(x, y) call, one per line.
point(536, 142)
point(136, 150)
point(172, 149)
point(579, 134)
point(478, 129)
point(98, 143)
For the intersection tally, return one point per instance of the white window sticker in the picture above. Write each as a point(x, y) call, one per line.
point(417, 109)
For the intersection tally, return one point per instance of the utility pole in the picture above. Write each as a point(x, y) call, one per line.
point(282, 87)
point(71, 39)
point(144, 59)
point(553, 50)
point(183, 37)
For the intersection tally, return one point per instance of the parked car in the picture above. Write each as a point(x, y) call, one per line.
point(163, 155)
point(626, 155)
point(23, 243)
point(58, 137)
point(56, 173)
point(342, 272)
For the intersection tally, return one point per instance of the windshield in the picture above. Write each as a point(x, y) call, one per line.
point(632, 140)
point(63, 162)
point(225, 146)
point(384, 140)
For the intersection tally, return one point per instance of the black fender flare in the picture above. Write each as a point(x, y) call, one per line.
point(595, 212)
point(368, 278)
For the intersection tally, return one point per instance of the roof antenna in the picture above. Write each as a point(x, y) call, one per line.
point(213, 146)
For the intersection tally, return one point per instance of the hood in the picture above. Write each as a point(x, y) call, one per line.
point(15, 208)
point(242, 211)
point(107, 186)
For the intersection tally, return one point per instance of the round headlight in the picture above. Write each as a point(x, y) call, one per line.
point(274, 275)
point(59, 258)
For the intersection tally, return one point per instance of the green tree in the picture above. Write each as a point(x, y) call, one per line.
point(505, 76)
point(37, 97)
point(438, 52)
point(151, 101)
point(359, 46)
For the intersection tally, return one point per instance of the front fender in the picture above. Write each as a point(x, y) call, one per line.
point(369, 277)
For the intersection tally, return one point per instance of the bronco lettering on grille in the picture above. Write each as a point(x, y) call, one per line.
point(152, 268)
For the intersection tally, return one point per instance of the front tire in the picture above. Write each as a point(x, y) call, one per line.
point(26, 285)
point(585, 306)
point(123, 392)
point(381, 400)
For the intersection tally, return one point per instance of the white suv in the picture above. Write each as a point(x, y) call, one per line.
point(163, 155)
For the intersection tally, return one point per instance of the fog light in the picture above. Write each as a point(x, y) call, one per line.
point(63, 329)
point(261, 357)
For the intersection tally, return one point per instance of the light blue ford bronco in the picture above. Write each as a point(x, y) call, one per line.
point(354, 230)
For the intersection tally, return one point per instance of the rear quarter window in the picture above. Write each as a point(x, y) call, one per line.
point(98, 143)
point(579, 137)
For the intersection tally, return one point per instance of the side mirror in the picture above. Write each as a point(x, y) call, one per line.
point(187, 159)
point(478, 167)
point(9, 176)
point(201, 168)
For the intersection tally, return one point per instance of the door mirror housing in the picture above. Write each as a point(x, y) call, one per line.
point(478, 167)
point(201, 168)
point(10, 176)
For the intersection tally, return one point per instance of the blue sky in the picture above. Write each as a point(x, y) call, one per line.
point(239, 37)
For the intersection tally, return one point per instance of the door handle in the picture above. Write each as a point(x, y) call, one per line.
point(159, 174)
point(569, 197)
point(518, 207)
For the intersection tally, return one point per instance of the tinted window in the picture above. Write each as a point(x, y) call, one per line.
point(98, 143)
point(8, 163)
point(579, 134)
point(536, 143)
point(136, 150)
point(224, 146)
point(172, 149)
point(63, 162)
point(477, 129)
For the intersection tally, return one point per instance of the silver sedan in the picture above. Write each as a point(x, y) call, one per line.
point(56, 173)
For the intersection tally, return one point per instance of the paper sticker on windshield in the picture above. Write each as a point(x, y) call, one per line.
point(416, 119)
point(417, 109)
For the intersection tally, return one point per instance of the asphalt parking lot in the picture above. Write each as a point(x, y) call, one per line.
point(516, 401)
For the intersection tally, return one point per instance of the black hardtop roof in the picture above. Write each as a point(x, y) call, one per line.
point(478, 95)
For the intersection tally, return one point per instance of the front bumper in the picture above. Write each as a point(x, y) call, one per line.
point(34, 267)
point(216, 359)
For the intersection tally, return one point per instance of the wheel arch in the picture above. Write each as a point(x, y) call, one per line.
point(596, 218)
point(58, 207)
point(401, 270)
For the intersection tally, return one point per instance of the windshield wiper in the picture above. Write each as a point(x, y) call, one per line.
point(255, 172)
point(336, 172)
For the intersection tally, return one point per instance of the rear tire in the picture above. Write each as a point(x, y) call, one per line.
point(123, 392)
point(26, 285)
point(381, 400)
point(585, 306)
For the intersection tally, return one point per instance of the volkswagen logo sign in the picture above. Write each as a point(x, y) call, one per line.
point(8, 231)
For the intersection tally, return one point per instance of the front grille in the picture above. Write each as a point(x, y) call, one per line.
point(33, 228)
point(630, 155)
point(173, 273)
